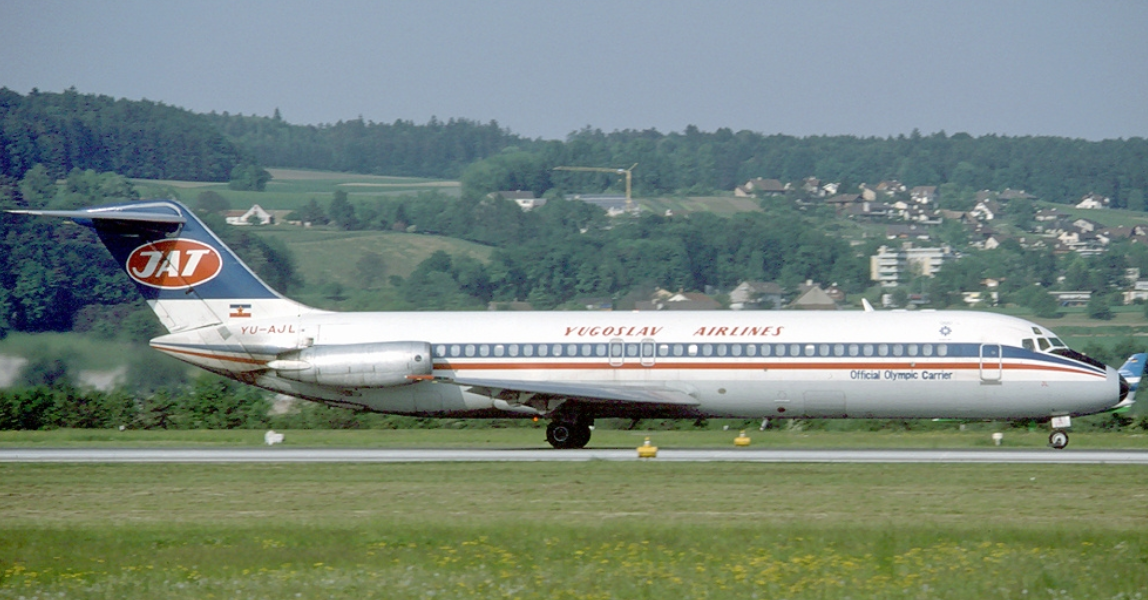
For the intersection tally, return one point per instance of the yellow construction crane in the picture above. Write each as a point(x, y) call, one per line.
point(626, 172)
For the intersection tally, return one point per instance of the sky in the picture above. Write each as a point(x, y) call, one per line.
point(543, 69)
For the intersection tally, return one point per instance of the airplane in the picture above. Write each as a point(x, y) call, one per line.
point(574, 367)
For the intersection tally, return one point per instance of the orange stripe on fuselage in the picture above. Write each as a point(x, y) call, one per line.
point(221, 357)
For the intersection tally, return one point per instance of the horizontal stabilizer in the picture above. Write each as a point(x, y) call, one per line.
point(105, 215)
point(586, 392)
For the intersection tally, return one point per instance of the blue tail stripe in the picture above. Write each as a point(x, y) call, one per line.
point(122, 236)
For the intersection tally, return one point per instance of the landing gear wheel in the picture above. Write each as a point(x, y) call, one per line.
point(564, 435)
point(1058, 439)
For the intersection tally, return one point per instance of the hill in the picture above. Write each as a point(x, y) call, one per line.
point(326, 256)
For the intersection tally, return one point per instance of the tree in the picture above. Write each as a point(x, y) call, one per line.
point(342, 212)
point(212, 202)
point(1098, 308)
point(249, 177)
point(370, 269)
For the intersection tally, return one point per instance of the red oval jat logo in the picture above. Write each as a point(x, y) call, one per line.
point(174, 264)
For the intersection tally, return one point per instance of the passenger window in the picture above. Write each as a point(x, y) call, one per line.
point(499, 350)
point(735, 349)
point(854, 350)
point(484, 350)
point(679, 350)
point(942, 349)
point(868, 349)
point(600, 349)
point(823, 350)
point(543, 349)
point(663, 350)
point(470, 349)
point(839, 350)
point(927, 349)
point(707, 350)
point(766, 349)
point(722, 349)
point(631, 349)
point(1043, 343)
point(456, 350)
point(693, 349)
point(898, 349)
point(439, 351)
point(781, 349)
point(556, 350)
point(751, 350)
point(795, 349)
point(883, 349)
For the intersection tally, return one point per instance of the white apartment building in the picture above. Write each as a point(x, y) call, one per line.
point(892, 265)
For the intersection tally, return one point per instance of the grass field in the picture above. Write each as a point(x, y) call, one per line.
point(323, 256)
point(292, 188)
point(587, 530)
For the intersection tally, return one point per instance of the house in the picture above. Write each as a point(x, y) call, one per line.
point(679, 301)
point(1094, 201)
point(759, 187)
point(253, 215)
point(1071, 298)
point(923, 194)
point(814, 298)
point(1087, 225)
point(757, 294)
point(868, 210)
point(986, 210)
point(524, 199)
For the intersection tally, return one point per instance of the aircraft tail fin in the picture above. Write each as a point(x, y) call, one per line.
point(188, 276)
point(1133, 370)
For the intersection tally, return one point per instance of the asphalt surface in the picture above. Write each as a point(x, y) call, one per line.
point(282, 454)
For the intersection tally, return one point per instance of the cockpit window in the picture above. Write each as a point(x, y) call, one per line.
point(1056, 342)
point(1044, 345)
point(1028, 345)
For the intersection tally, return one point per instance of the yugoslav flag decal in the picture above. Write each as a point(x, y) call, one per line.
point(174, 264)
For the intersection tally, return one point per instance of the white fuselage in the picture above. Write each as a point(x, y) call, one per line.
point(750, 364)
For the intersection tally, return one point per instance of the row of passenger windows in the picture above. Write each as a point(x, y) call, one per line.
point(647, 350)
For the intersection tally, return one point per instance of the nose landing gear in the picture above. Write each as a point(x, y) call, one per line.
point(1058, 439)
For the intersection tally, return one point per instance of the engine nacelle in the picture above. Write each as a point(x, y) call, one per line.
point(383, 364)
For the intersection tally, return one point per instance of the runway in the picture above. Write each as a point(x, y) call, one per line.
point(393, 455)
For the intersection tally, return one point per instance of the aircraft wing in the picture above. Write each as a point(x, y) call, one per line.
point(584, 392)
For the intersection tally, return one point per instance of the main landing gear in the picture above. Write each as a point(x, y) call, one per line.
point(569, 434)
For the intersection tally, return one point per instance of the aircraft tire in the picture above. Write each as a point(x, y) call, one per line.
point(561, 435)
point(1058, 439)
point(582, 435)
point(564, 435)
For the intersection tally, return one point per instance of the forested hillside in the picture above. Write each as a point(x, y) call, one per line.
point(696, 162)
point(70, 130)
point(144, 139)
point(402, 148)
point(490, 158)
